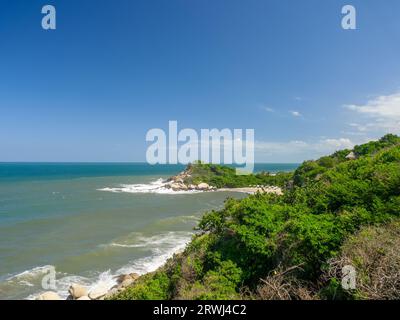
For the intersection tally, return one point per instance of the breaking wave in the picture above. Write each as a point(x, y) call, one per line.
point(159, 186)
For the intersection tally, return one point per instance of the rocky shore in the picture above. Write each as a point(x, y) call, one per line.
point(255, 189)
point(179, 183)
point(80, 292)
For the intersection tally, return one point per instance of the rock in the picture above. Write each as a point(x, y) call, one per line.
point(127, 277)
point(84, 298)
point(49, 295)
point(203, 186)
point(77, 291)
point(127, 282)
point(192, 187)
point(134, 276)
point(98, 292)
point(178, 186)
point(183, 186)
point(175, 186)
point(121, 278)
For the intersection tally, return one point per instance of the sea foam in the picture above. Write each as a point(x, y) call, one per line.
point(161, 247)
point(159, 186)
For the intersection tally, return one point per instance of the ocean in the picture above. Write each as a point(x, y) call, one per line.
point(93, 221)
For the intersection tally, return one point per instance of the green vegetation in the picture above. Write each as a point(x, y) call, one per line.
point(226, 177)
point(283, 247)
point(375, 254)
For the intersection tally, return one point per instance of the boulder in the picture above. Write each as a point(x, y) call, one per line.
point(98, 292)
point(49, 295)
point(84, 298)
point(203, 186)
point(77, 291)
point(134, 276)
point(121, 278)
point(126, 277)
point(178, 186)
point(127, 282)
point(183, 186)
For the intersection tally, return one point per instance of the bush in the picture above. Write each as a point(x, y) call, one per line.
point(375, 254)
point(226, 177)
point(153, 286)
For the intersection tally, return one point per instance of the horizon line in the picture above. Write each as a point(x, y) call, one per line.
point(123, 162)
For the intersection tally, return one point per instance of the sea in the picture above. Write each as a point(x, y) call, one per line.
point(90, 222)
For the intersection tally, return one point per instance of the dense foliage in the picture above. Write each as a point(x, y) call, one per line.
point(263, 235)
point(225, 177)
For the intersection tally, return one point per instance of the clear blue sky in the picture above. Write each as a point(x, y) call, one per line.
point(112, 70)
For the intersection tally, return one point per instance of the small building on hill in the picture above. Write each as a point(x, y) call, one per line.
point(351, 156)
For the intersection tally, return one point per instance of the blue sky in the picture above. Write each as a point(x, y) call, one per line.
point(112, 70)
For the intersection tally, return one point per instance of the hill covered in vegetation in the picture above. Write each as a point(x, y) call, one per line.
point(335, 210)
point(219, 176)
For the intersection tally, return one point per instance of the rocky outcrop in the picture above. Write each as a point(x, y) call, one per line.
point(77, 291)
point(203, 186)
point(49, 295)
point(98, 292)
point(180, 182)
point(126, 280)
point(180, 186)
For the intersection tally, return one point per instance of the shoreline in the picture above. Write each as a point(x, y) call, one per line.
point(253, 190)
point(176, 183)
point(122, 281)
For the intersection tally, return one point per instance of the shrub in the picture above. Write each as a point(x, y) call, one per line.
point(374, 252)
point(153, 286)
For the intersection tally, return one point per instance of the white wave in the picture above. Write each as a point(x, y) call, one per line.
point(30, 273)
point(63, 282)
point(26, 283)
point(159, 186)
point(162, 247)
point(171, 244)
point(137, 240)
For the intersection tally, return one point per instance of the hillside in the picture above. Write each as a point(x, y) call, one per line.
point(218, 176)
point(285, 247)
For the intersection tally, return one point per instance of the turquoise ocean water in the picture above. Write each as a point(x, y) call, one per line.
point(92, 222)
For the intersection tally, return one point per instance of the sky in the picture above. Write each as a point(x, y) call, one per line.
point(112, 70)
